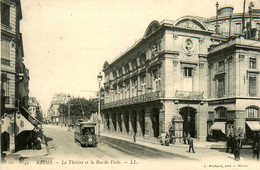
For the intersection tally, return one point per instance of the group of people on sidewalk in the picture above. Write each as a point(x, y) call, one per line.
point(165, 140)
point(235, 144)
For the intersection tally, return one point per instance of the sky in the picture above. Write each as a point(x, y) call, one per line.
point(66, 42)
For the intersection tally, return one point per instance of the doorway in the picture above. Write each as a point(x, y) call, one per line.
point(189, 124)
point(155, 121)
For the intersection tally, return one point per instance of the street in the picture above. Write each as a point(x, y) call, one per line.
point(113, 150)
point(62, 146)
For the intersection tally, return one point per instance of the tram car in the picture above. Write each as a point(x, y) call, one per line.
point(86, 133)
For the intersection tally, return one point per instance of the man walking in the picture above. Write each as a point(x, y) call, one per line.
point(191, 145)
point(134, 136)
point(256, 150)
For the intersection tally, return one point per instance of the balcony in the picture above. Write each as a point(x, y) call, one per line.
point(189, 95)
point(136, 99)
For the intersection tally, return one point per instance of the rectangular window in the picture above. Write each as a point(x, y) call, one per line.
point(5, 49)
point(221, 66)
point(252, 63)
point(221, 87)
point(5, 14)
point(6, 92)
point(143, 84)
point(134, 87)
point(187, 72)
point(238, 28)
point(252, 86)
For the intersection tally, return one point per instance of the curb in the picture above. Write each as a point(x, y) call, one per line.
point(157, 143)
point(140, 145)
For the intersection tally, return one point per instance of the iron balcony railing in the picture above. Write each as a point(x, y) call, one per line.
point(136, 99)
point(189, 95)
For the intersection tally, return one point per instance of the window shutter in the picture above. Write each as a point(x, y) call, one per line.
point(252, 86)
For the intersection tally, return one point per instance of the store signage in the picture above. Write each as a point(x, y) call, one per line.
point(224, 101)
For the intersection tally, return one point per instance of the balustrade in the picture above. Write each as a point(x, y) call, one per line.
point(136, 99)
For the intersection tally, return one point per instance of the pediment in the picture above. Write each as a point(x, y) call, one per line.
point(191, 23)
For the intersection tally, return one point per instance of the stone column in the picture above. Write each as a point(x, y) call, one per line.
point(240, 121)
point(117, 123)
point(138, 127)
point(111, 122)
point(148, 124)
point(123, 123)
point(201, 122)
point(131, 132)
point(161, 122)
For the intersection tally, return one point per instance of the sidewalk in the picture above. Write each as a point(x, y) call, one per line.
point(28, 154)
point(197, 144)
point(203, 150)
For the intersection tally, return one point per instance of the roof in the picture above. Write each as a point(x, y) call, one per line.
point(87, 123)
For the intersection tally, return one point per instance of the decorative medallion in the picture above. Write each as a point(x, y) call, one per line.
point(188, 46)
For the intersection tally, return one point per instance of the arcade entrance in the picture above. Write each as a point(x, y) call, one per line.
point(188, 116)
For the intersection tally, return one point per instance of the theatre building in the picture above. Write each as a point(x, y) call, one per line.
point(186, 76)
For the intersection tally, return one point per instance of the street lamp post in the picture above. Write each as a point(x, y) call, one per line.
point(99, 78)
point(69, 111)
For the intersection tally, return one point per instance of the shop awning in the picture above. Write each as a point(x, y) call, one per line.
point(218, 126)
point(254, 125)
point(28, 116)
point(25, 121)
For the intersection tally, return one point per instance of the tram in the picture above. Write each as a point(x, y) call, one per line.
point(86, 133)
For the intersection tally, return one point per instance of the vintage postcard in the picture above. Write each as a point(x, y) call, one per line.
point(112, 84)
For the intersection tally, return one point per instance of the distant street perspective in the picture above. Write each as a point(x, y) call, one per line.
point(186, 90)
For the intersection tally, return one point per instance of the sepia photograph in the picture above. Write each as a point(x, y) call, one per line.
point(130, 84)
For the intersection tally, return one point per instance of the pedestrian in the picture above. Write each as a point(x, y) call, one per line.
point(167, 138)
point(134, 136)
point(237, 152)
point(184, 138)
point(239, 141)
point(34, 139)
point(256, 150)
point(162, 138)
point(46, 145)
point(229, 142)
point(233, 144)
point(167, 135)
point(191, 145)
point(38, 145)
point(188, 138)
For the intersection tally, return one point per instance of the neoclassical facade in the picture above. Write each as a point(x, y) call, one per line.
point(171, 80)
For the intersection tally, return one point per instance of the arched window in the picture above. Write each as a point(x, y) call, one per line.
point(114, 74)
point(120, 71)
point(221, 112)
point(126, 68)
point(134, 64)
point(143, 59)
point(252, 112)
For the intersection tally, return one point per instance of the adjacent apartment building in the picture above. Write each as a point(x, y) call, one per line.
point(194, 75)
point(15, 120)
